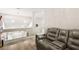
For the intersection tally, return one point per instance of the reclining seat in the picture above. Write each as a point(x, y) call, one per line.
point(52, 34)
point(61, 41)
point(44, 42)
point(73, 41)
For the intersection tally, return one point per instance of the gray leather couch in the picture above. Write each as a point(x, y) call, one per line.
point(73, 40)
point(58, 39)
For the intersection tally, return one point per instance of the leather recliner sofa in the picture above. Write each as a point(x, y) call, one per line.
point(73, 41)
point(58, 39)
point(44, 41)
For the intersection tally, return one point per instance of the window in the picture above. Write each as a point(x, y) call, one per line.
point(11, 22)
point(15, 23)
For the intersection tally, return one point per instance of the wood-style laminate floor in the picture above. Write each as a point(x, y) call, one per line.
point(28, 44)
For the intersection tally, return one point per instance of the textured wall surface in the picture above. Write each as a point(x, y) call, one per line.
point(64, 18)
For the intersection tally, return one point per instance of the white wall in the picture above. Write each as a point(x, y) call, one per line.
point(63, 18)
point(39, 18)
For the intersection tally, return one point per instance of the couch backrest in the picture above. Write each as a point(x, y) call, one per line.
point(73, 41)
point(63, 36)
point(52, 33)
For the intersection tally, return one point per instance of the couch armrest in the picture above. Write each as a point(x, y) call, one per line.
point(42, 36)
point(38, 38)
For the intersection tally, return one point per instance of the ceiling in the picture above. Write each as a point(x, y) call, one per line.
point(19, 11)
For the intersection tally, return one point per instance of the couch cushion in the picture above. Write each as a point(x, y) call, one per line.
point(73, 41)
point(61, 39)
point(59, 44)
point(73, 44)
point(43, 42)
point(74, 34)
point(52, 33)
point(48, 45)
point(54, 47)
point(51, 36)
point(63, 36)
